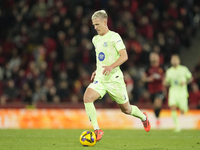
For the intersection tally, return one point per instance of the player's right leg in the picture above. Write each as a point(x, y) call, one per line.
point(89, 97)
point(157, 100)
point(172, 102)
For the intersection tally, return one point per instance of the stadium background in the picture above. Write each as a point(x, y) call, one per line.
point(46, 55)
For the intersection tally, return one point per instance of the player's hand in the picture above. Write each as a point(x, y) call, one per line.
point(93, 75)
point(183, 83)
point(150, 79)
point(107, 70)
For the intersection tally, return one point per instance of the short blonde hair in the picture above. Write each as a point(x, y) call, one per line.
point(100, 14)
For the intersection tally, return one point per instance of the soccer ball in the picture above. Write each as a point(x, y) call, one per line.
point(88, 138)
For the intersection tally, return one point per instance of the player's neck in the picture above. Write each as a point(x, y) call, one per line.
point(175, 66)
point(154, 64)
point(106, 31)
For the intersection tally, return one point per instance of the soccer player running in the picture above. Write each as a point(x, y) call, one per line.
point(154, 75)
point(177, 77)
point(110, 54)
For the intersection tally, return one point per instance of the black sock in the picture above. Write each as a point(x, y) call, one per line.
point(157, 112)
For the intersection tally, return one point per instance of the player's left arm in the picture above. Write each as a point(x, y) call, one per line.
point(189, 77)
point(122, 58)
point(188, 81)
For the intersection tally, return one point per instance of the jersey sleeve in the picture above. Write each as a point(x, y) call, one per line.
point(118, 43)
point(93, 41)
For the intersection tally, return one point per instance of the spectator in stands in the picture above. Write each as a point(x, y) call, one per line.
point(2, 58)
point(39, 9)
point(38, 95)
point(196, 74)
point(6, 72)
point(26, 94)
point(9, 93)
point(129, 85)
point(63, 90)
point(20, 79)
point(145, 28)
point(52, 96)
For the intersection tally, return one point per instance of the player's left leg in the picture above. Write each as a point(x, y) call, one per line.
point(135, 111)
point(173, 103)
point(175, 117)
point(117, 91)
point(157, 104)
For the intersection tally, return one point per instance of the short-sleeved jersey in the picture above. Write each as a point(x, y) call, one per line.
point(175, 76)
point(107, 49)
point(157, 73)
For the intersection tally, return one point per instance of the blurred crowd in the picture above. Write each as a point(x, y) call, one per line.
point(46, 54)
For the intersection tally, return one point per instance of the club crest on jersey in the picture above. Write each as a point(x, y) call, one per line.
point(105, 44)
point(101, 56)
point(176, 82)
point(95, 82)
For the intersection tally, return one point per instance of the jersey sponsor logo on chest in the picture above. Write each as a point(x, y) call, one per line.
point(105, 44)
point(101, 56)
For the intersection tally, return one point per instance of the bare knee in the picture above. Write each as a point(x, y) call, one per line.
point(125, 108)
point(173, 108)
point(126, 111)
point(182, 111)
point(90, 96)
point(157, 103)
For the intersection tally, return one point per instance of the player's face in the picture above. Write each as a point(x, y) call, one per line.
point(99, 25)
point(154, 58)
point(175, 61)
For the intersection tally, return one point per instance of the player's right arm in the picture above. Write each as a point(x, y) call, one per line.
point(122, 58)
point(146, 78)
point(166, 79)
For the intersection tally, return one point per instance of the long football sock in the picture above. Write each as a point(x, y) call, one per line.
point(92, 115)
point(137, 113)
point(175, 118)
point(157, 112)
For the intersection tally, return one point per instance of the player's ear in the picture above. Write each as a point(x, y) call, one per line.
point(105, 21)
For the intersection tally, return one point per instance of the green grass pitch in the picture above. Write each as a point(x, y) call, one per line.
point(61, 139)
